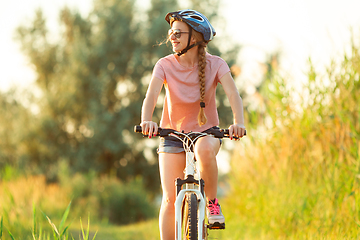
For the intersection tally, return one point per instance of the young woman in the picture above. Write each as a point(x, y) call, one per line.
point(190, 77)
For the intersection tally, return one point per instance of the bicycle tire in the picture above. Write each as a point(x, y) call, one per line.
point(191, 218)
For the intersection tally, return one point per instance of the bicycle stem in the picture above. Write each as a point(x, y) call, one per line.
point(190, 168)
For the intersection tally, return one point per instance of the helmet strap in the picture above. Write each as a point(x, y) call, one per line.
point(188, 48)
point(189, 38)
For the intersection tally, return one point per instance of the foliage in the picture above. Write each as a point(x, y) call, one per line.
point(129, 205)
point(88, 103)
point(297, 176)
point(91, 81)
point(148, 230)
point(18, 197)
point(107, 199)
point(37, 233)
point(14, 119)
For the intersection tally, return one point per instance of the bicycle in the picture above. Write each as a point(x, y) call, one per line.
point(190, 203)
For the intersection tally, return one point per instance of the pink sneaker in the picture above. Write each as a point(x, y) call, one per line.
point(214, 213)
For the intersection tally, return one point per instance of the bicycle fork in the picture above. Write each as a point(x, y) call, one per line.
point(190, 187)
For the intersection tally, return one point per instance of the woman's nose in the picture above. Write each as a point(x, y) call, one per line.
point(172, 36)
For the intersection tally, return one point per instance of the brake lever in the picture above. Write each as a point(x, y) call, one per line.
point(226, 134)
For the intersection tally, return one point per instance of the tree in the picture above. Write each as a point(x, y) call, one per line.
point(15, 118)
point(92, 82)
point(89, 103)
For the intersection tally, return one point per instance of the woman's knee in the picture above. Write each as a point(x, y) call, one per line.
point(205, 151)
point(168, 203)
point(207, 148)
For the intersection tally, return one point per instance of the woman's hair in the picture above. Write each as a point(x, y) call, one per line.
point(201, 65)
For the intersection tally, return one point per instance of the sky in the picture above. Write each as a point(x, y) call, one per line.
point(299, 29)
point(14, 67)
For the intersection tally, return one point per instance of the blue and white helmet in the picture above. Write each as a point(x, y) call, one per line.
point(196, 20)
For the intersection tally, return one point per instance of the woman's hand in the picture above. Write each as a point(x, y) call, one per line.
point(149, 128)
point(237, 130)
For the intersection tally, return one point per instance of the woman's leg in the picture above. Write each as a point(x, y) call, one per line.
point(171, 166)
point(206, 149)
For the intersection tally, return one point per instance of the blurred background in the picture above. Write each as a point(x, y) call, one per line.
point(73, 78)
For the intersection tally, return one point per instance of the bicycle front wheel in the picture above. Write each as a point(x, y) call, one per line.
point(191, 217)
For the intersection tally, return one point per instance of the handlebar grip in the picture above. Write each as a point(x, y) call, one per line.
point(137, 129)
point(226, 131)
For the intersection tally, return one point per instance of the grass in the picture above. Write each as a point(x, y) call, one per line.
point(149, 230)
point(58, 233)
point(144, 230)
point(299, 177)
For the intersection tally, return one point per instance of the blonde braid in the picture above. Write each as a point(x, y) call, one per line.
point(202, 64)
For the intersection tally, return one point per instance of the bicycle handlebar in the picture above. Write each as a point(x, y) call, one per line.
point(163, 132)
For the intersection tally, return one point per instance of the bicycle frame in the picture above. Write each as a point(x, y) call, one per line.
point(190, 184)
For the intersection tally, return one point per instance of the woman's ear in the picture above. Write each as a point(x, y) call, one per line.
point(193, 40)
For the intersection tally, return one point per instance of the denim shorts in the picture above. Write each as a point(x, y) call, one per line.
point(171, 144)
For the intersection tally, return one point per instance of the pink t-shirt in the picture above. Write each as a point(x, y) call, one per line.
point(182, 99)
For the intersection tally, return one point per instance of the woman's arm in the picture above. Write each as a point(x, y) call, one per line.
point(238, 128)
point(148, 126)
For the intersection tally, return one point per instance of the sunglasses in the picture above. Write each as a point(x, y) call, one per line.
point(177, 33)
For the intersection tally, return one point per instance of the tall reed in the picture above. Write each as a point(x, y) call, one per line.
point(299, 177)
point(38, 233)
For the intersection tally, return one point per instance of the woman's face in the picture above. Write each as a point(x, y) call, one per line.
point(179, 42)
